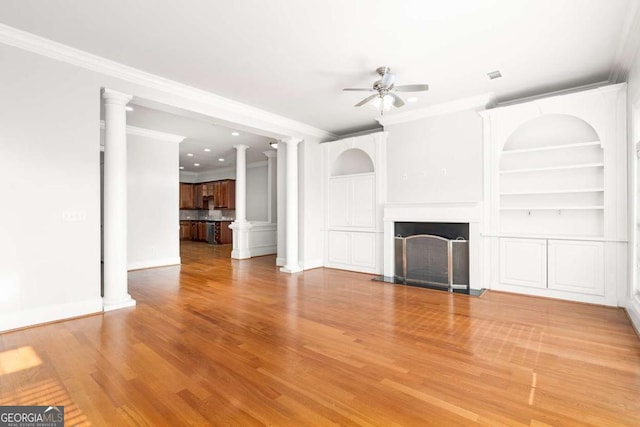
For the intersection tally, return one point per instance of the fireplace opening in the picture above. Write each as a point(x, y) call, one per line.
point(432, 254)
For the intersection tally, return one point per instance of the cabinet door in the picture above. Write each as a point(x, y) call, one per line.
point(197, 196)
point(523, 262)
point(363, 201)
point(340, 247)
point(228, 190)
point(576, 266)
point(364, 249)
point(185, 230)
point(339, 202)
point(186, 196)
point(226, 234)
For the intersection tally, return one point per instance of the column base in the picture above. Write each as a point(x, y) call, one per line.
point(291, 269)
point(117, 305)
point(240, 240)
point(280, 261)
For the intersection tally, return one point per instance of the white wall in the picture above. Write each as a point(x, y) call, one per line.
point(50, 165)
point(311, 245)
point(49, 173)
point(435, 159)
point(152, 203)
point(633, 99)
point(257, 192)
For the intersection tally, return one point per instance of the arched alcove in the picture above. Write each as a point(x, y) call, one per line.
point(550, 130)
point(352, 161)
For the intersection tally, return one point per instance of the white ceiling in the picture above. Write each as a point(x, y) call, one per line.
point(200, 134)
point(294, 57)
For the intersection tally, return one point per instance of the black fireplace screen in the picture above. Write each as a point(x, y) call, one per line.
point(432, 260)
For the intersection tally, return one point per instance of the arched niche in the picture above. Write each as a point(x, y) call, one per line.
point(352, 161)
point(551, 130)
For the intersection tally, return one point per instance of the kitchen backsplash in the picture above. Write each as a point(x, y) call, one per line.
point(229, 214)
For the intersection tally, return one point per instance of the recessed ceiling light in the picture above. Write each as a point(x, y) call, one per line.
point(412, 99)
point(190, 154)
point(220, 159)
point(196, 164)
point(128, 108)
point(207, 149)
point(181, 167)
point(235, 133)
point(274, 145)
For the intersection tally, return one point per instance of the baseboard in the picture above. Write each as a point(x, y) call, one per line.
point(312, 263)
point(280, 261)
point(161, 262)
point(46, 314)
point(263, 250)
point(633, 311)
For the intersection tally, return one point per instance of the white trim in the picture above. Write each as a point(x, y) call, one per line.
point(280, 262)
point(262, 250)
point(633, 310)
point(604, 86)
point(627, 45)
point(39, 315)
point(150, 133)
point(49, 48)
point(152, 263)
point(479, 102)
point(311, 264)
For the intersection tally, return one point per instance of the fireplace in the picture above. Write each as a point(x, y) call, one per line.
point(435, 254)
point(451, 221)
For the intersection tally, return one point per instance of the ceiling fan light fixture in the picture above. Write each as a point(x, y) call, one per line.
point(383, 103)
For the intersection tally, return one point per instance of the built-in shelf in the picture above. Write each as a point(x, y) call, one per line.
point(569, 191)
point(554, 168)
point(551, 147)
point(552, 208)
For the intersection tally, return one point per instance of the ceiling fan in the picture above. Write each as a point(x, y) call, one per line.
point(385, 96)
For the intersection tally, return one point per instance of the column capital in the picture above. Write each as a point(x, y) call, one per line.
point(241, 147)
point(114, 97)
point(292, 141)
point(270, 153)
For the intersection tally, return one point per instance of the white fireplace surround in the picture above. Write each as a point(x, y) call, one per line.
point(462, 212)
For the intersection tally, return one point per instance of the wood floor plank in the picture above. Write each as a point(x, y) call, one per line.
point(217, 341)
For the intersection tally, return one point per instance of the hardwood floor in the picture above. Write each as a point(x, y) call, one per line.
point(225, 342)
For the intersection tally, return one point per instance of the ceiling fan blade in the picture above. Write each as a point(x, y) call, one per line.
point(358, 89)
point(397, 101)
point(366, 100)
point(412, 88)
point(388, 79)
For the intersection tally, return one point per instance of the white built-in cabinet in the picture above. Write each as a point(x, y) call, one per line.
point(353, 178)
point(555, 196)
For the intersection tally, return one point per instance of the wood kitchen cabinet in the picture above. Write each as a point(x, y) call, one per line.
point(186, 196)
point(223, 234)
point(224, 194)
point(185, 230)
point(198, 202)
point(202, 231)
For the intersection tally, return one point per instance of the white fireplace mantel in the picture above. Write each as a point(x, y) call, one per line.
point(463, 212)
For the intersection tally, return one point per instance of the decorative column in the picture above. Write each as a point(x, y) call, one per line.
point(240, 226)
point(271, 186)
point(116, 293)
point(292, 264)
point(281, 175)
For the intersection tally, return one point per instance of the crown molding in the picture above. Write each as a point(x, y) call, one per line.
point(152, 134)
point(30, 42)
point(479, 102)
point(628, 44)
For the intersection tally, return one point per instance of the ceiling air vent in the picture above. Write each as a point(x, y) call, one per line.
point(494, 74)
